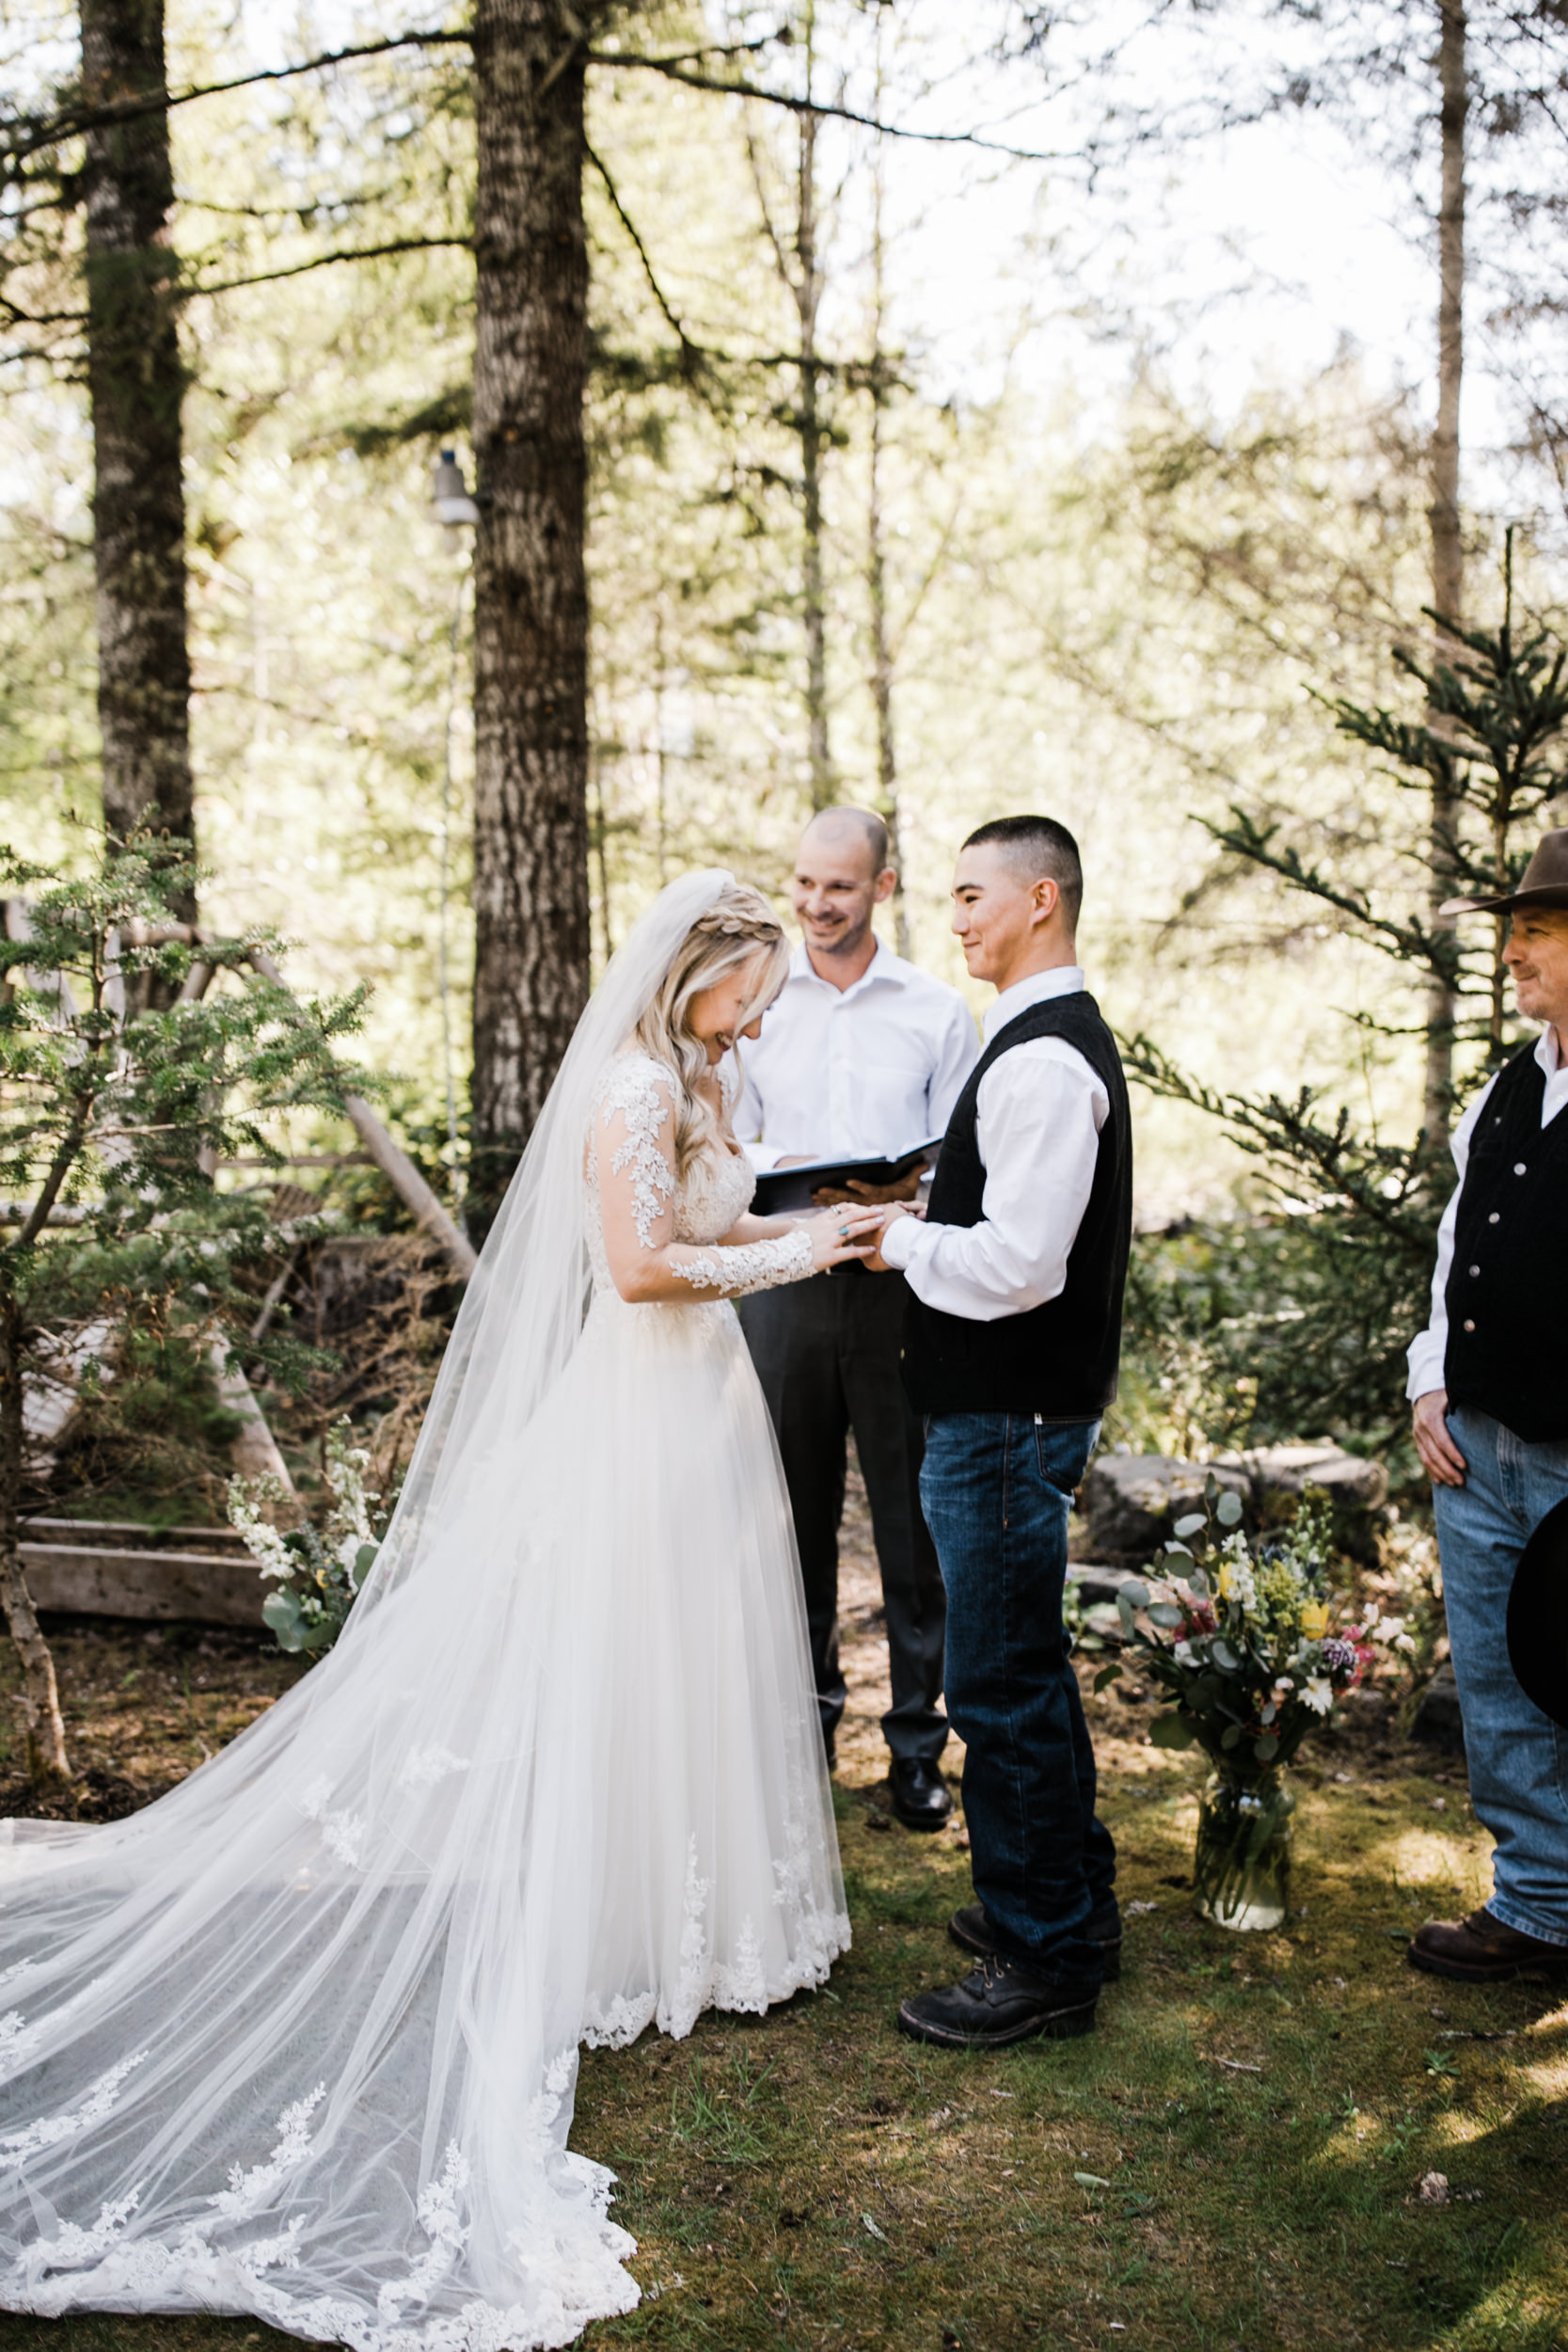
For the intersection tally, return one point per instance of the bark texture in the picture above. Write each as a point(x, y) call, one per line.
point(1448, 550)
point(876, 562)
point(807, 289)
point(40, 1698)
point(530, 594)
point(137, 382)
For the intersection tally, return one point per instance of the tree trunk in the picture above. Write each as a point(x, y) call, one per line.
point(530, 597)
point(807, 290)
point(136, 383)
point(1447, 552)
point(41, 1697)
point(876, 562)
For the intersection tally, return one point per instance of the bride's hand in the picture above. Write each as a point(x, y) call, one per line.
point(839, 1235)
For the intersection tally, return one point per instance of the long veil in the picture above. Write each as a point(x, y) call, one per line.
point(300, 2038)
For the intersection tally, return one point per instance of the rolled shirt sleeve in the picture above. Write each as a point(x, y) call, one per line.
point(1038, 1115)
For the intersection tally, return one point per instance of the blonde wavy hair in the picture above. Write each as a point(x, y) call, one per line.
point(737, 925)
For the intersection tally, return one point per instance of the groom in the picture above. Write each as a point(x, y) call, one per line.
point(1011, 1352)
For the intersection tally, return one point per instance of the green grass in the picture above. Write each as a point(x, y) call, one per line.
point(1260, 2110)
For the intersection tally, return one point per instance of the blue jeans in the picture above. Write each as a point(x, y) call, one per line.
point(1517, 1756)
point(996, 1490)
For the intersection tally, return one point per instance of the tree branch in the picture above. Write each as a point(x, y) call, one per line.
point(39, 132)
point(673, 71)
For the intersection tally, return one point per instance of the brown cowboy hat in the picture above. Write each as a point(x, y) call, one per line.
point(1543, 883)
point(1537, 1621)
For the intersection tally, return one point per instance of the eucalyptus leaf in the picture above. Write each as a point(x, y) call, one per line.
point(1199, 1583)
point(1193, 1524)
point(1134, 1594)
point(1106, 1675)
point(1227, 1510)
point(1266, 1749)
point(1124, 1611)
point(1177, 1552)
point(1222, 1655)
point(1165, 1613)
point(1230, 1735)
point(1210, 1486)
point(1171, 1731)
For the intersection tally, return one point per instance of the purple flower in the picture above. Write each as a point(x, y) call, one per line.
point(1340, 1659)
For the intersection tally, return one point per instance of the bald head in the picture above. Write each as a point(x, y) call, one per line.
point(835, 831)
point(840, 872)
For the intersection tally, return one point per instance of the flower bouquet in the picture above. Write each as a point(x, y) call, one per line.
point(1253, 1661)
point(318, 1574)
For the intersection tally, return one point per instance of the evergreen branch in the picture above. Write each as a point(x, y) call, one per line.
point(1410, 941)
point(823, 110)
point(39, 132)
point(329, 261)
point(691, 349)
point(1384, 1182)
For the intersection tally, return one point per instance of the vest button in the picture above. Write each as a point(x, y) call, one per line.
point(1470, 1327)
point(1493, 1218)
point(1475, 1270)
point(1518, 1168)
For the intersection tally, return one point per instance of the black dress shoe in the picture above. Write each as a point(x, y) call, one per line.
point(1001, 2001)
point(919, 1794)
point(972, 1929)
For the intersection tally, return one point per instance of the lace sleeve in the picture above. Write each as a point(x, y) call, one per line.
point(749, 1265)
point(638, 1093)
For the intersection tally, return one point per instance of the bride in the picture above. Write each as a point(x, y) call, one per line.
point(300, 2040)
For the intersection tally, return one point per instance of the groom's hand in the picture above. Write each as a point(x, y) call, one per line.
point(877, 1263)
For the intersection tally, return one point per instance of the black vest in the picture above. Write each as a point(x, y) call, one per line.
point(1059, 1360)
point(1507, 1298)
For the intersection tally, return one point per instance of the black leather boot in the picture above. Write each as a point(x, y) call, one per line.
point(1001, 2001)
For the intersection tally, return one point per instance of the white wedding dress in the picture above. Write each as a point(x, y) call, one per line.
point(300, 2040)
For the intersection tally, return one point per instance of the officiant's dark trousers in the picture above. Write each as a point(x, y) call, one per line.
point(997, 1490)
point(827, 1354)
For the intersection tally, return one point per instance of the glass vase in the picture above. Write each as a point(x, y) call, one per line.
point(1241, 1863)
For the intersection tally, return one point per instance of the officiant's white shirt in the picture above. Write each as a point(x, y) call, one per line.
point(861, 1072)
point(1038, 1114)
point(1429, 1348)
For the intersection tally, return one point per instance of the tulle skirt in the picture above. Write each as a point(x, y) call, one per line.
point(300, 2040)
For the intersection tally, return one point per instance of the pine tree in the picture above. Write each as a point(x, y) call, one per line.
point(114, 1111)
point(1345, 1263)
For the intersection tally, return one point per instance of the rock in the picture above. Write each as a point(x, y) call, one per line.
point(1131, 1501)
point(1356, 1488)
point(1437, 1719)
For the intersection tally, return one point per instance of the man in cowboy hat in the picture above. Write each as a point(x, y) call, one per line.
point(1489, 1384)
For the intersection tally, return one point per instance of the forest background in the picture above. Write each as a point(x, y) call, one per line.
point(985, 410)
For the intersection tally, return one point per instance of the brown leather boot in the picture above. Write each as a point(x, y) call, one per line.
point(1482, 1952)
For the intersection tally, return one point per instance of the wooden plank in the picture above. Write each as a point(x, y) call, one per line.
point(144, 1584)
point(130, 1535)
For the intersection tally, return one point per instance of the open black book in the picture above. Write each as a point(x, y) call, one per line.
point(785, 1188)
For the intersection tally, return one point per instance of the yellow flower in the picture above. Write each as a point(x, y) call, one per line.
point(1225, 1581)
point(1314, 1620)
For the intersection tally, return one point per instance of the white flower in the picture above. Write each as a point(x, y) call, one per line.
point(1184, 1653)
point(1405, 1641)
point(1319, 1694)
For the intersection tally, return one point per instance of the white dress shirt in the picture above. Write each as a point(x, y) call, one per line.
point(1427, 1351)
point(1038, 1114)
point(862, 1072)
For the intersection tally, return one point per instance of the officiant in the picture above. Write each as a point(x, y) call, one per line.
point(861, 1056)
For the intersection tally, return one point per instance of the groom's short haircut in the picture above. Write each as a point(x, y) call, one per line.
point(1035, 846)
point(865, 822)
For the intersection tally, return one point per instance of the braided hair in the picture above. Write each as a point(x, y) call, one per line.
point(738, 926)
